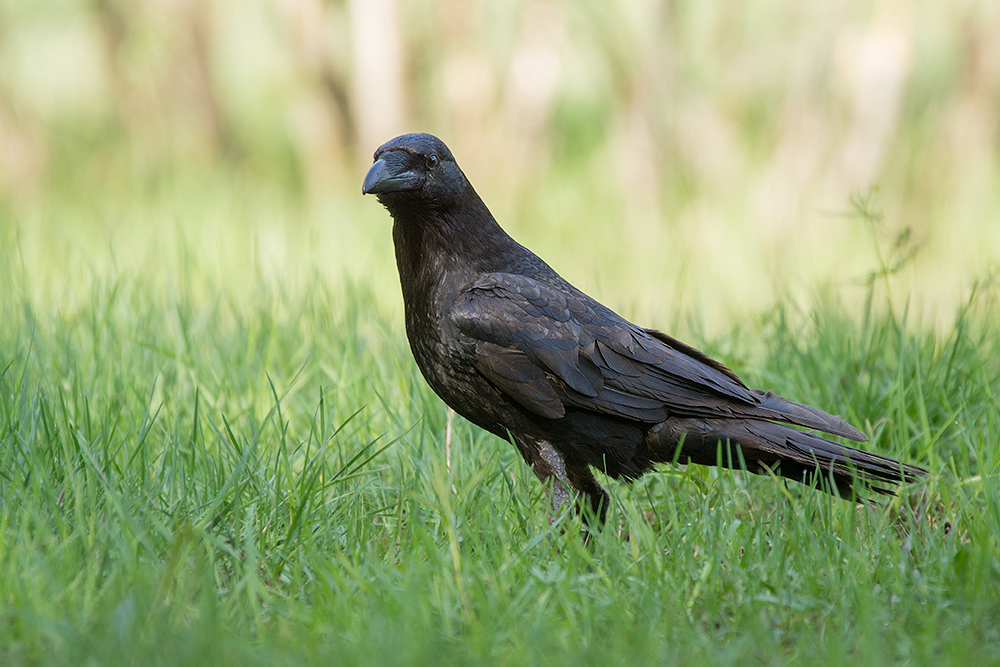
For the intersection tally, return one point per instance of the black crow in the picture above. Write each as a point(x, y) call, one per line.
point(520, 352)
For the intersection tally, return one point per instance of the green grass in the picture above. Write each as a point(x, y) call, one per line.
point(212, 461)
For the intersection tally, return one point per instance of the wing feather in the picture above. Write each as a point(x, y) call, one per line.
point(550, 347)
point(514, 373)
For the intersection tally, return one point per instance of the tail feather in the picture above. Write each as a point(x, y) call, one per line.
point(767, 447)
point(804, 451)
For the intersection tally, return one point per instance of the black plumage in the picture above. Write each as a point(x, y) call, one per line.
point(517, 350)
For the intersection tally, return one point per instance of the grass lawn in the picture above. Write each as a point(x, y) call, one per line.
point(235, 461)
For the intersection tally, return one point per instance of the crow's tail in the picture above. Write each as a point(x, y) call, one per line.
point(766, 447)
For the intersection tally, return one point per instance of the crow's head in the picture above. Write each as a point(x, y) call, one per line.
point(415, 169)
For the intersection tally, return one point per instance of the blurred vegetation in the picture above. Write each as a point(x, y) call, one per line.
point(669, 155)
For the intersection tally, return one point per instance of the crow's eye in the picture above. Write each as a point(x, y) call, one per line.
point(432, 161)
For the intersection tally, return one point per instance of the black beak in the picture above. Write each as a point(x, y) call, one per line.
point(380, 180)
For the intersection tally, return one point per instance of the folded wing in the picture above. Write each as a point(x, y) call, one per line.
point(551, 348)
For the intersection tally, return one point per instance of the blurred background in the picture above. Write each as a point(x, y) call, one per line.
point(674, 158)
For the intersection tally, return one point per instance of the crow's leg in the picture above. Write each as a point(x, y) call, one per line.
point(568, 483)
point(587, 488)
point(550, 468)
